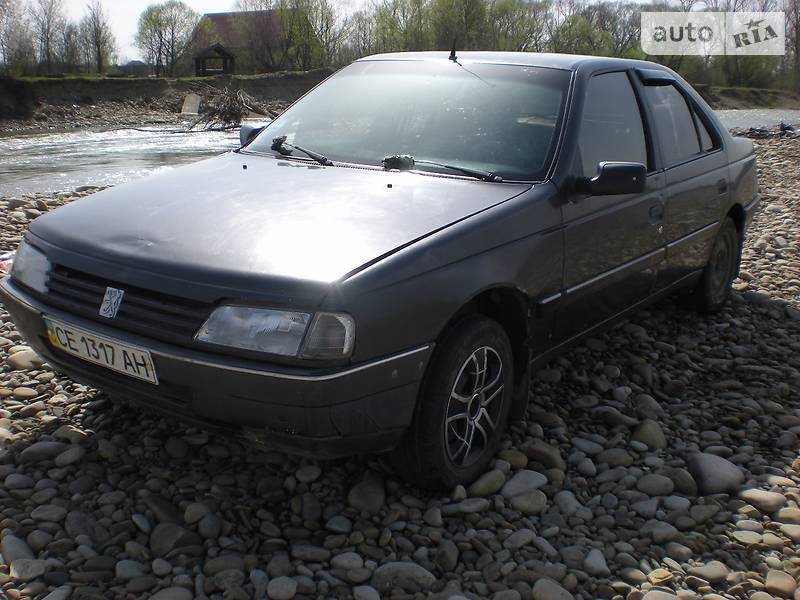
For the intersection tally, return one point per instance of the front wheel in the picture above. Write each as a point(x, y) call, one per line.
point(462, 407)
point(714, 287)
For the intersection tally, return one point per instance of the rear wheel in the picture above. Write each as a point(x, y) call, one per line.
point(462, 408)
point(714, 287)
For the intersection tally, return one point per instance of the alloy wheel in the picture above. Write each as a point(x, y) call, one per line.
point(474, 407)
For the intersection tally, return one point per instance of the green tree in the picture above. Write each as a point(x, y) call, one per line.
point(164, 33)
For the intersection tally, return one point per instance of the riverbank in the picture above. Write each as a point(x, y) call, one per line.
point(54, 104)
point(660, 457)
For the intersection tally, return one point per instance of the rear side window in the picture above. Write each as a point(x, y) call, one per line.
point(706, 139)
point(674, 124)
point(611, 128)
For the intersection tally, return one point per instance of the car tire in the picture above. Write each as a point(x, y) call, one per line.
point(462, 408)
point(714, 288)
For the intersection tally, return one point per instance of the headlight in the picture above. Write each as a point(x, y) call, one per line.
point(275, 331)
point(259, 329)
point(30, 267)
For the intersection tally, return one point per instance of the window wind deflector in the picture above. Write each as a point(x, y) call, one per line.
point(655, 77)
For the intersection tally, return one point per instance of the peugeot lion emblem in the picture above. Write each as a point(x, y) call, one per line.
point(111, 301)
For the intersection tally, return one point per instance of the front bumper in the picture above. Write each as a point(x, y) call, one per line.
point(324, 414)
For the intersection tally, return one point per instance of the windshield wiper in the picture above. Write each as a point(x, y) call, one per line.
point(279, 145)
point(404, 162)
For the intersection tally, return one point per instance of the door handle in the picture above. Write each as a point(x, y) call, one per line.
point(722, 186)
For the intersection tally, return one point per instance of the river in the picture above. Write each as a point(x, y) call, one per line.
point(63, 161)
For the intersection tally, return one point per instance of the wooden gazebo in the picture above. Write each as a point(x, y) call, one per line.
point(214, 60)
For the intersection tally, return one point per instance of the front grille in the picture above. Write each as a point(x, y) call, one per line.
point(145, 312)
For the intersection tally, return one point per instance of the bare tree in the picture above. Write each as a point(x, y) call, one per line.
point(97, 31)
point(49, 22)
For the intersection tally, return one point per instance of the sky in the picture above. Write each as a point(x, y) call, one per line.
point(124, 16)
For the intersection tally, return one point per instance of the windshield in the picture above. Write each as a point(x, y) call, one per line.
point(501, 119)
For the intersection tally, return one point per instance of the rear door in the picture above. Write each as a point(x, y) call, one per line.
point(613, 243)
point(696, 179)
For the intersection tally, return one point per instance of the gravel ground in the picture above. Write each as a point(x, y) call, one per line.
point(658, 461)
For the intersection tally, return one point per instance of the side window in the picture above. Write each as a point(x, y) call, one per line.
point(674, 123)
point(611, 128)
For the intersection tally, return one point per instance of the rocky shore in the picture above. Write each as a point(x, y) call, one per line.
point(658, 461)
point(99, 115)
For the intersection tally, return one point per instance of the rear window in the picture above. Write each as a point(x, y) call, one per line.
point(674, 123)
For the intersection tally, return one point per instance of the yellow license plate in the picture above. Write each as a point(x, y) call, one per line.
point(100, 350)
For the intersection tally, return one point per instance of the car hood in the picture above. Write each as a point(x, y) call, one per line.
point(240, 216)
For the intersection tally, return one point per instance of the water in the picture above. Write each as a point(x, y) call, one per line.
point(53, 162)
point(759, 117)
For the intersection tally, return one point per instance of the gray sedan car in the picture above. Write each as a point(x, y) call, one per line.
point(379, 267)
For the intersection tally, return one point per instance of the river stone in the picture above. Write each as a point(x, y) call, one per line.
point(194, 512)
point(365, 592)
point(523, 481)
point(661, 595)
point(48, 512)
point(714, 474)
point(128, 569)
point(713, 572)
point(18, 481)
point(163, 509)
point(339, 524)
point(25, 569)
point(69, 456)
point(225, 562)
point(168, 536)
point(649, 433)
point(398, 574)
point(347, 561)
point(60, 593)
point(14, 548)
point(529, 503)
point(655, 485)
point(368, 495)
point(308, 473)
point(309, 553)
point(282, 588)
point(487, 484)
point(40, 451)
point(172, 593)
point(547, 589)
point(79, 523)
point(767, 502)
point(446, 557)
point(518, 539)
point(24, 360)
point(567, 503)
point(595, 564)
point(542, 452)
point(780, 583)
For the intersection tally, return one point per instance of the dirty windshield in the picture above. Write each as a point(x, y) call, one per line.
point(498, 118)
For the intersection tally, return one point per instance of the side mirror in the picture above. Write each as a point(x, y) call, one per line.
point(248, 132)
point(614, 178)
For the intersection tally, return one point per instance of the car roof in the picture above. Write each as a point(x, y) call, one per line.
point(532, 59)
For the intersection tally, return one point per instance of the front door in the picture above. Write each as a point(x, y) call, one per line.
point(613, 244)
